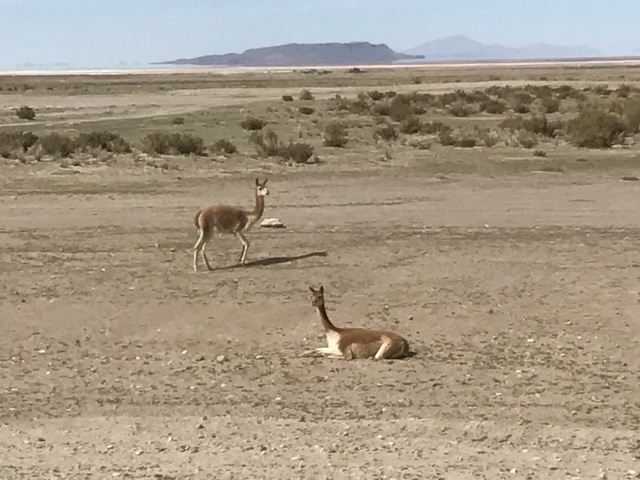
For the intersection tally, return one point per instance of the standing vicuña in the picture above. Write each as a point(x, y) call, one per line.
point(351, 343)
point(227, 219)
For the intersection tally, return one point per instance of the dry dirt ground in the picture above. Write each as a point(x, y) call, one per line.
point(519, 295)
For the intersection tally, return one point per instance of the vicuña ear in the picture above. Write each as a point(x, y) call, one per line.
point(257, 182)
point(311, 289)
point(265, 181)
point(321, 289)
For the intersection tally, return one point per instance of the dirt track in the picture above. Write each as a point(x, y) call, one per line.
point(520, 296)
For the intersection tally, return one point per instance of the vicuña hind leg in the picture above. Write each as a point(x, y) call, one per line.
point(204, 256)
point(196, 249)
point(389, 350)
point(199, 247)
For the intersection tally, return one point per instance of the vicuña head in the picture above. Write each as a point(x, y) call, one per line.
point(228, 219)
point(352, 343)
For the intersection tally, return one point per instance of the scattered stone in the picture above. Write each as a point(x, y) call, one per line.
point(272, 223)
point(630, 178)
point(220, 358)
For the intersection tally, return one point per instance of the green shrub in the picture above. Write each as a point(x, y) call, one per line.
point(56, 145)
point(381, 109)
point(13, 142)
point(387, 133)
point(466, 142)
point(267, 144)
point(376, 95)
point(224, 146)
point(459, 109)
point(253, 123)
point(539, 125)
point(306, 110)
point(400, 107)
point(551, 105)
point(492, 106)
point(107, 141)
point(26, 113)
point(527, 140)
point(446, 137)
point(595, 128)
point(296, 152)
point(430, 128)
point(411, 125)
point(336, 135)
point(631, 116)
point(624, 90)
point(173, 144)
point(306, 95)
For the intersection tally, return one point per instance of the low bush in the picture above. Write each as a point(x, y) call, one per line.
point(173, 144)
point(267, 143)
point(595, 128)
point(306, 110)
point(298, 152)
point(56, 145)
point(306, 95)
point(26, 113)
point(253, 123)
point(411, 125)
point(12, 143)
point(336, 135)
point(492, 106)
point(107, 141)
point(224, 146)
point(287, 98)
point(387, 133)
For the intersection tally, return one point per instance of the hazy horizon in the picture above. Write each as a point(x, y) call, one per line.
point(120, 34)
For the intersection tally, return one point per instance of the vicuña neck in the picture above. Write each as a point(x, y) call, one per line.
point(324, 318)
point(259, 208)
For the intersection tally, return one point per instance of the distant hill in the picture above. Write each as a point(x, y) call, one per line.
point(459, 47)
point(303, 54)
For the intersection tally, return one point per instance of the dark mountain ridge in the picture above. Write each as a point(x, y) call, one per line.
point(303, 54)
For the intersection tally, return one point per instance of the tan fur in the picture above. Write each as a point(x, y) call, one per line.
point(227, 219)
point(353, 343)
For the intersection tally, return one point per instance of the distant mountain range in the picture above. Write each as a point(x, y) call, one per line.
point(303, 54)
point(450, 49)
point(459, 47)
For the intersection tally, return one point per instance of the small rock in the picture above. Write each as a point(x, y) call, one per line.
point(272, 223)
point(220, 358)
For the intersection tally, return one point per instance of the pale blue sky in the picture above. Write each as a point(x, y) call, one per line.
point(103, 33)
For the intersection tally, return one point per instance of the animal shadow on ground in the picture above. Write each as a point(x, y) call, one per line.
point(265, 262)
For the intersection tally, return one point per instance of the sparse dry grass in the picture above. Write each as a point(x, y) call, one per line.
point(491, 111)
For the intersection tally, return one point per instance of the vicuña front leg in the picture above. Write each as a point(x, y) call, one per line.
point(322, 351)
point(245, 247)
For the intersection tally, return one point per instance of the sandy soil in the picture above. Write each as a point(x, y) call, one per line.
point(519, 295)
